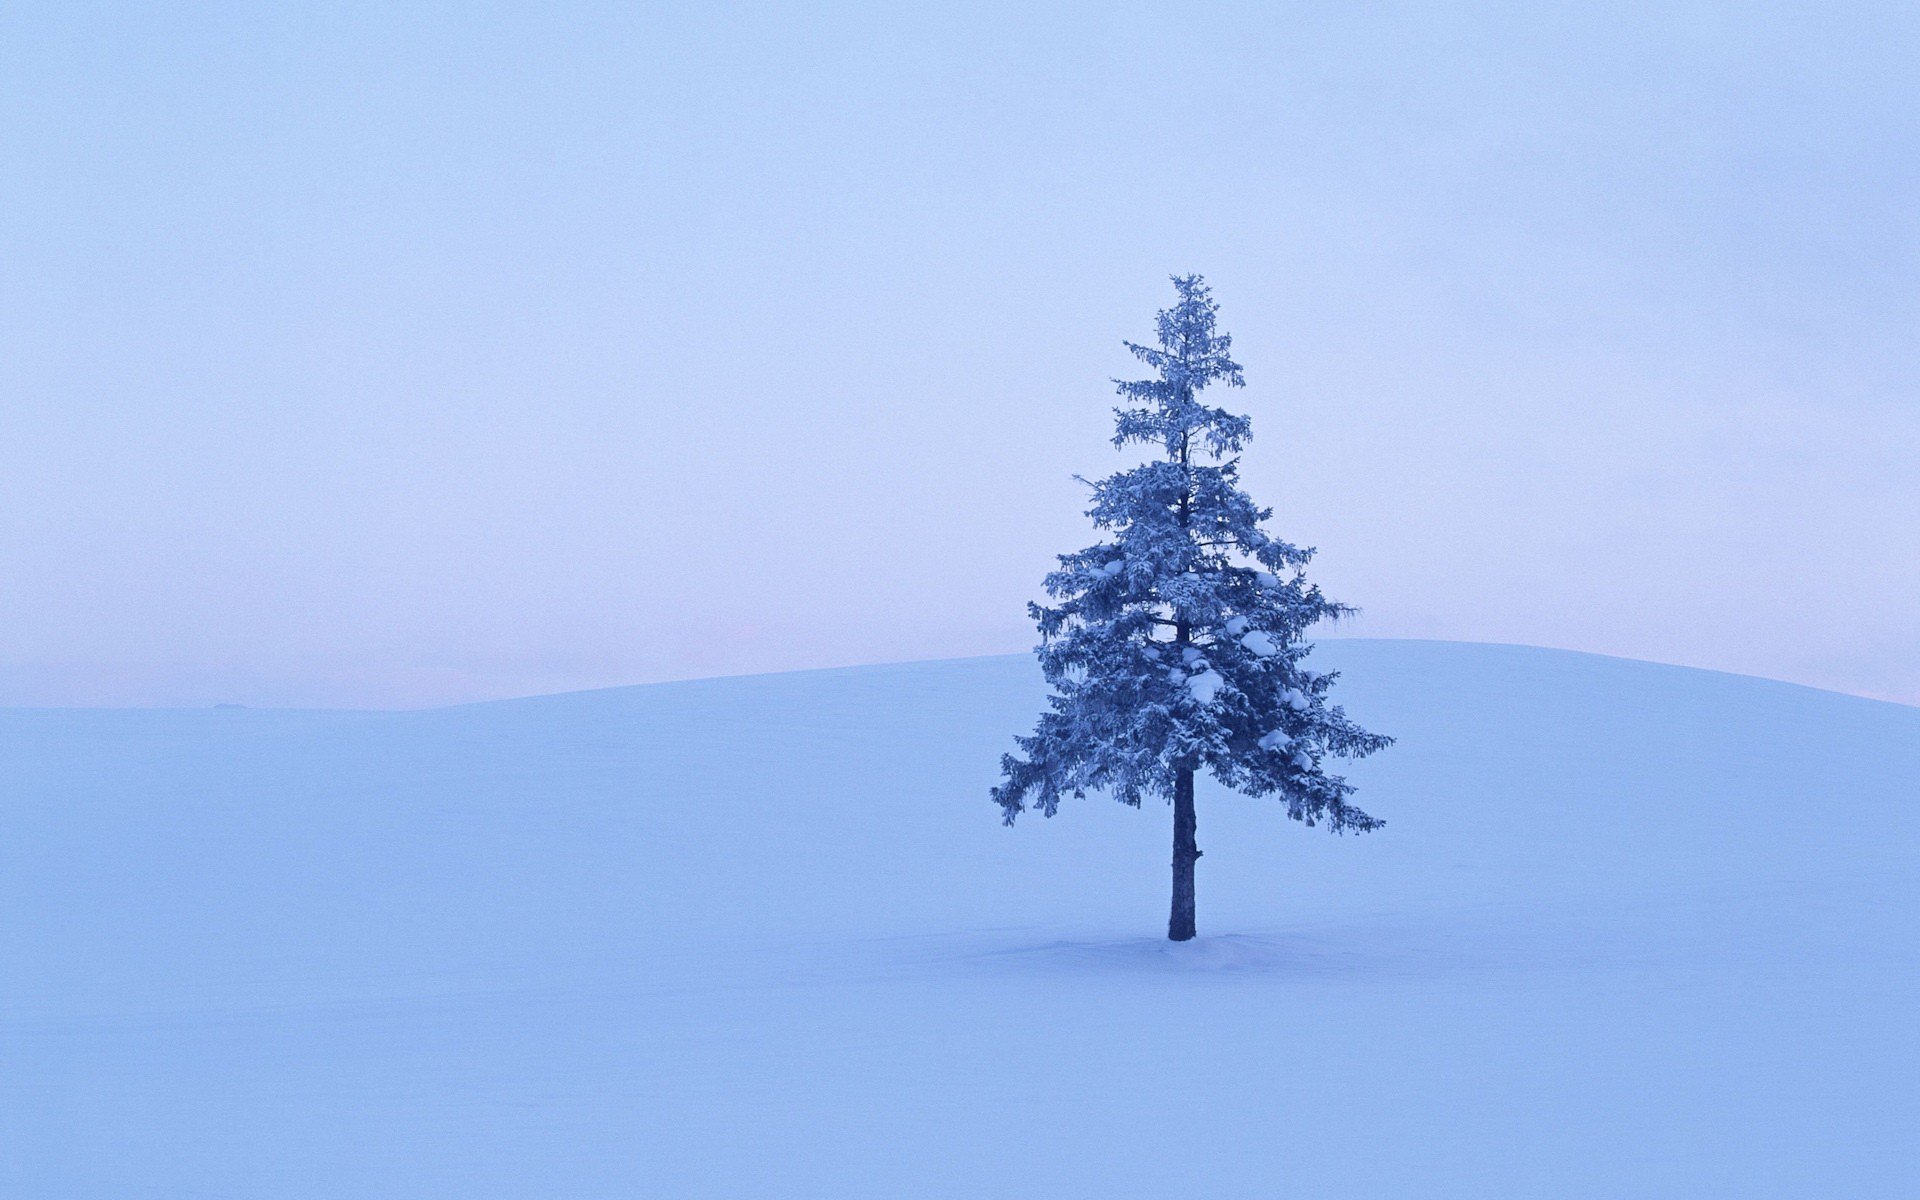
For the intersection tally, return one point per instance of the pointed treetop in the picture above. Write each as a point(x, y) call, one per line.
point(1166, 410)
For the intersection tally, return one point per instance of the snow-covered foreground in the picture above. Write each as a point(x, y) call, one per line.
point(1631, 930)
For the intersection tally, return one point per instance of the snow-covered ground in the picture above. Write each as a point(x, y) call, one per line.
point(1630, 931)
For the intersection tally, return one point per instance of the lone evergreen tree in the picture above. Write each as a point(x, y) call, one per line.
point(1177, 644)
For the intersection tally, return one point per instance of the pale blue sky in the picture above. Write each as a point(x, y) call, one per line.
point(399, 353)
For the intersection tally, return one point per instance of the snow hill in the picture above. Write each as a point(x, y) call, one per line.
point(1630, 930)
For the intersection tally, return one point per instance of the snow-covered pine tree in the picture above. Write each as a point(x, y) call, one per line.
point(1177, 645)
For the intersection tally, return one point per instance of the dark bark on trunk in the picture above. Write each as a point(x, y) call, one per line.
point(1180, 924)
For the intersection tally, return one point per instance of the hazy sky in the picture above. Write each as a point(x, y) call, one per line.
point(394, 353)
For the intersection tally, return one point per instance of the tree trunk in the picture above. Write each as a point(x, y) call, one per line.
point(1180, 924)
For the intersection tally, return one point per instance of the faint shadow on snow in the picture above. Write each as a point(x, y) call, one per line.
point(1676, 931)
point(1235, 953)
point(1252, 957)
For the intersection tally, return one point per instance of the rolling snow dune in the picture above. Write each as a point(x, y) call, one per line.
point(1630, 930)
